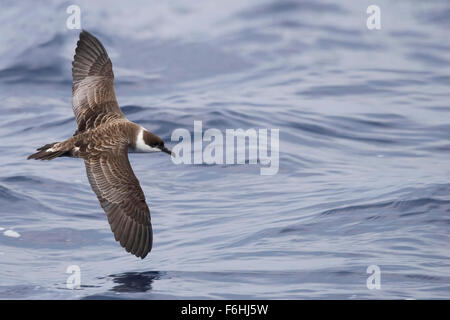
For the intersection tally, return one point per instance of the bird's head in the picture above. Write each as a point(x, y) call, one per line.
point(149, 142)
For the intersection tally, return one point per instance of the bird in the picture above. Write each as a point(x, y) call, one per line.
point(103, 139)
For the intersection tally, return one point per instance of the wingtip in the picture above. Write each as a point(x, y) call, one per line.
point(143, 255)
point(85, 36)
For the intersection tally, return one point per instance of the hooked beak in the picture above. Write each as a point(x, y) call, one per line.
point(164, 149)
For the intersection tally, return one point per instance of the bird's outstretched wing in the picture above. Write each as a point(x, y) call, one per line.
point(93, 99)
point(118, 190)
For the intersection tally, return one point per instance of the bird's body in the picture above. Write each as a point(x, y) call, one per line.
point(103, 139)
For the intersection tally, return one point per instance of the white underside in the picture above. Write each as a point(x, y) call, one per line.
point(141, 146)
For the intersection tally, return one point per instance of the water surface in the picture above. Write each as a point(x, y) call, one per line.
point(364, 150)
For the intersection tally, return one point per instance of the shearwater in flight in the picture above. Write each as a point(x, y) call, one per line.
point(103, 139)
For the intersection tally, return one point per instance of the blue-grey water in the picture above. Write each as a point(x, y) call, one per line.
point(364, 120)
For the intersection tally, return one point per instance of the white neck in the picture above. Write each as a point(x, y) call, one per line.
point(141, 146)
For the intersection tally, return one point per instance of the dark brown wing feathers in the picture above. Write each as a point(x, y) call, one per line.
point(118, 190)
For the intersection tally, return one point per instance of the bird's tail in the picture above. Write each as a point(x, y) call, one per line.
point(47, 152)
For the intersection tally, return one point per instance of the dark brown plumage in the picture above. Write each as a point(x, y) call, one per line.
point(103, 139)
